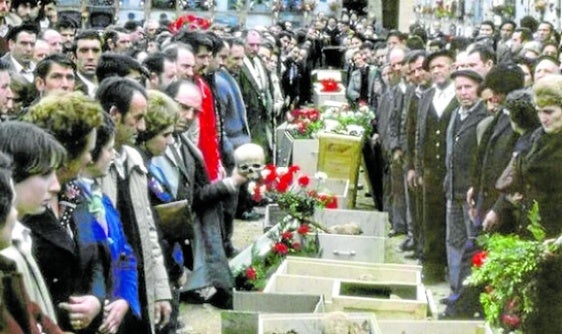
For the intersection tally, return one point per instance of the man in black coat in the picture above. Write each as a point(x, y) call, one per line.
point(461, 150)
point(434, 112)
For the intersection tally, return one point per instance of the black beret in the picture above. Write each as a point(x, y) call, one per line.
point(438, 53)
point(473, 75)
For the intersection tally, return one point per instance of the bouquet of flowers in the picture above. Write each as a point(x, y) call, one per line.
point(292, 238)
point(192, 22)
point(278, 185)
point(348, 121)
point(329, 85)
point(507, 269)
point(305, 122)
point(297, 233)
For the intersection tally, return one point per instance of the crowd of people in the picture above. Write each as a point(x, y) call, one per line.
point(108, 137)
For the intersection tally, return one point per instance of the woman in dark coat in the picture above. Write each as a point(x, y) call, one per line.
point(538, 173)
point(63, 240)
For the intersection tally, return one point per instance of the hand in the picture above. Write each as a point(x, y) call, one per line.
point(471, 204)
point(411, 178)
point(81, 310)
point(470, 197)
point(222, 173)
point(182, 280)
point(113, 315)
point(491, 221)
point(238, 178)
point(162, 311)
point(397, 155)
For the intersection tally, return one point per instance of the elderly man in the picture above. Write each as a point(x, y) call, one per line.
point(460, 158)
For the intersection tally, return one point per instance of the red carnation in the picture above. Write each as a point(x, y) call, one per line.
point(272, 175)
point(287, 235)
point(296, 246)
point(511, 320)
point(296, 113)
point(280, 248)
point(304, 181)
point(332, 202)
point(478, 259)
point(251, 273)
point(303, 229)
point(314, 115)
point(283, 185)
point(301, 127)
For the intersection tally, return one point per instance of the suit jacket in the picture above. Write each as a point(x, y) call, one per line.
point(494, 152)
point(353, 91)
point(210, 264)
point(461, 149)
point(397, 131)
point(140, 229)
point(258, 106)
point(13, 69)
point(424, 108)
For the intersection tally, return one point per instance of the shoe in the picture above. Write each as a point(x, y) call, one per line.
point(444, 301)
point(230, 251)
point(192, 297)
point(221, 299)
point(250, 216)
point(394, 233)
point(408, 244)
point(412, 256)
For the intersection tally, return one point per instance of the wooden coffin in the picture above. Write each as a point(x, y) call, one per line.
point(340, 156)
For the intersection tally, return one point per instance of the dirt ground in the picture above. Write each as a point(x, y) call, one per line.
point(205, 319)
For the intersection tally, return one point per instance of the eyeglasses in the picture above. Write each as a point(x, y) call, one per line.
point(185, 107)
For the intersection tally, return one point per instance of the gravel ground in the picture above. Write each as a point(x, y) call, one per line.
point(205, 319)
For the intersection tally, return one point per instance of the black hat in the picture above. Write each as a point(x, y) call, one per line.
point(438, 53)
point(28, 27)
point(473, 75)
point(504, 78)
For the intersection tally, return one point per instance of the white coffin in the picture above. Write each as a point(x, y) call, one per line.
point(305, 155)
point(320, 98)
point(406, 301)
point(312, 323)
point(247, 307)
point(386, 300)
point(352, 247)
point(337, 187)
point(431, 327)
point(372, 223)
point(379, 272)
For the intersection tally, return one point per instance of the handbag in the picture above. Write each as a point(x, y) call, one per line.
point(175, 219)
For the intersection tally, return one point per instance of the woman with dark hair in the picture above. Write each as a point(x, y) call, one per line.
point(64, 242)
point(20, 314)
point(36, 157)
point(121, 274)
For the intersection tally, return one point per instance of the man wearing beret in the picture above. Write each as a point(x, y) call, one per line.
point(460, 156)
point(434, 112)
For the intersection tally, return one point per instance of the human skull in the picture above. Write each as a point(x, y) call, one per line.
point(250, 160)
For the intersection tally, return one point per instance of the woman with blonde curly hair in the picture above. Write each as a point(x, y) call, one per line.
point(63, 240)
